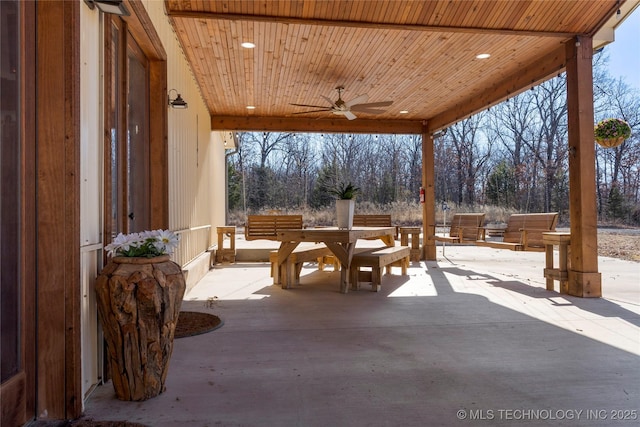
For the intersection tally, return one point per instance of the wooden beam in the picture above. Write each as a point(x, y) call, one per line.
point(158, 146)
point(584, 279)
point(362, 24)
point(59, 385)
point(72, 284)
point(429, 205)
point(527, 77)
point(141, 26)
point(337, 125)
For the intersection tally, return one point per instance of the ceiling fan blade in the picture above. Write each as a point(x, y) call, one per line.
point(357, 100)
point(323, 110)
point(329, 101)
point(368, 110)
point(311, 106)
point(372, 104)
point(349, 115)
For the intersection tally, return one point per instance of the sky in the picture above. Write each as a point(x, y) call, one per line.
point(624, 52)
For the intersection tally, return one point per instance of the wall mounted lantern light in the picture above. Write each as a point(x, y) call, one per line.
point(114, 7)
point(177, 102)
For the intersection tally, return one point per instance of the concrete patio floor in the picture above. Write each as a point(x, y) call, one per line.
point(473, 338)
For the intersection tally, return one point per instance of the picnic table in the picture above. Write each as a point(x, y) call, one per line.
point(341, 242)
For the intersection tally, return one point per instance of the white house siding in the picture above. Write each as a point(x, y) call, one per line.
point(91, 159)
point(196, 155)
point(196, 171)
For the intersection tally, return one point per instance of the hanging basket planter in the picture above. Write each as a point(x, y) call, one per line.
point(610, 133)
point(610, 142)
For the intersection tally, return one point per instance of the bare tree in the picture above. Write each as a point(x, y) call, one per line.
point(550, 145)
point(510, 125)
point(471, 153)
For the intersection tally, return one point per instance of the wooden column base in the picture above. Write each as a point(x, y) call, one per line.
point(586, 285)
point(429, 250)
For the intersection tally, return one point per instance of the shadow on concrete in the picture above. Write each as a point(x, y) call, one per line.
point(600, 306)
point(311, 356)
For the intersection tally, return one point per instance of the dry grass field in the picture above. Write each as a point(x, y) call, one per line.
point(619, 243)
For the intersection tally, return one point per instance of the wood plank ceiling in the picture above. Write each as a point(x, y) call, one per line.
point(419, 54)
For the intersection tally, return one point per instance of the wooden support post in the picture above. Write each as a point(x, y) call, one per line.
point(584, 278)
point(429, 205)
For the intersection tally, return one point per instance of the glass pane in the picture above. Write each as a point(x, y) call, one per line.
point(9, 191)
point(116, 176)
point(137, 142)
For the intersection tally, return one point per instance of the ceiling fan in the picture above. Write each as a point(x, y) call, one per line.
point(347, 108)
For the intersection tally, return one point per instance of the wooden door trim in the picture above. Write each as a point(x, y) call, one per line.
point(28, 226)
point(138, 26)
point(59, 388)
point(18, 394)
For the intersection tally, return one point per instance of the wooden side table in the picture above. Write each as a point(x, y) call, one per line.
point(561, 273)
point(226, 254)
point(414, 234)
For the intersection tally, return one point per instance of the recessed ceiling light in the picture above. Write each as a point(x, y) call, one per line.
point(483, 55)
point(404, 112)
point(251, 107)
point(248, 45)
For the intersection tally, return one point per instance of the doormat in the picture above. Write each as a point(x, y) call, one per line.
point(192, 323)
point(92, 423)
point(83, 422)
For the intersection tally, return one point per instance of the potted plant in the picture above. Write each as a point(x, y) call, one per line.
point(139, 293)
point(345, 204)
point(610, 133)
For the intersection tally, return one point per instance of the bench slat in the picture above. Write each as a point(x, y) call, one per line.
point(464, 227)
point(372, 220)
point(524, 232)
point(266, 227)
point(361, 220)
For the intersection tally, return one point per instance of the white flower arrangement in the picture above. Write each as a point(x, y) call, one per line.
point(144, 244)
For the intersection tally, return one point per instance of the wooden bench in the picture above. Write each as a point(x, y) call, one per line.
point(297, 258)
point(464, 228)
point(377, 259)
point(266, 227)
point(372, 220)
point(361, 220)
point(524, 232)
